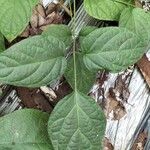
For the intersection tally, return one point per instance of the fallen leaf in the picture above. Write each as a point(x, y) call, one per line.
point(115, 106)
point(107, 144)
point(140, 141)
point(144, 66)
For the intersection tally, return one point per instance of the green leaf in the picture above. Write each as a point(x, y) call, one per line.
point(138, 21)
point(61, 32)
point(24, 130)
point(33, 62)
point(111, 48)
point(85, 77)
point(77, 122)
point(14, 16)
point(106, 9)
point(86, 31)
point(2, 43)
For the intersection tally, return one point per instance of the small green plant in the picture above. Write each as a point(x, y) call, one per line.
point(77, 122)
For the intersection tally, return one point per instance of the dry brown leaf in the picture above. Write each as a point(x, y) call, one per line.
point(34, 19)
point(144, 66)
point(51, 8)
point(53, 18)
point(119, 112)
point(112, 105)
point(140, 141)
point(41, 10)
point(41, 19)
point(107, 144)
point(138, 4)
point(25, 33)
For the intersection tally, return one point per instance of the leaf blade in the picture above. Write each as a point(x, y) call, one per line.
point(80, 126)
point(33, 62)
point(111, 48)
point(105, 9)
point(24, 129)
point(137, 20)
point(61, 32)
point(14, 16)
point(85, 77)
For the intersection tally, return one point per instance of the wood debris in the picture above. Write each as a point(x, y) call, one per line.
point(140, 141)
point(107, 144)
point(144, 66)
point(115, 107)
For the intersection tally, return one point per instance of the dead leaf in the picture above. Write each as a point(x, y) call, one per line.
point(51, 8)
point(34, 19)
point(138, 4)
point(41, 10)
point(115, 106)
point(25, 32)
point(144, 66)
point(119, 112)
point(107, 144)
point(140, 141)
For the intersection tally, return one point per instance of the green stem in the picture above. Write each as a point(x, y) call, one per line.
point(74, 47)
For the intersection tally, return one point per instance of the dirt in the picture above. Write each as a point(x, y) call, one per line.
point(33, 98)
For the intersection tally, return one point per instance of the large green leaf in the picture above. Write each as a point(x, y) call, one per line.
point(77, 123)
point(14, 16)
point(106, 9)
point(138, 21)
point(2, 43)
point(85, 78)
point(33, 62)
point(61, 32)
point(111, 48)
point(86, 31)
point(24, 130)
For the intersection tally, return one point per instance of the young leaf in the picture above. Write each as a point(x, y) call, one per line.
point(24, 129)
point(111, 48)
point(33, 62)
point(85, 77)
point(2, 44)
point(86, 31)
point(138, 21)
point(106, 9)
point(77, 122)
point(61, 32)
point(14, 16)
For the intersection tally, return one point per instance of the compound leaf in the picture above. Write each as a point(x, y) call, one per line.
point(137, 20)
point(14, 16)
point(111, 48)
point(106, 9)
point(24, 130)
point(85, 78)
point(77, 122)
point(33, 62)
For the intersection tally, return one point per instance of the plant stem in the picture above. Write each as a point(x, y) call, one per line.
point(74, 46)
